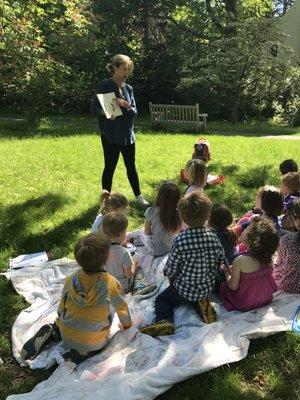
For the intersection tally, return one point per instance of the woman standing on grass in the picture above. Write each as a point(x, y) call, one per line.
point(117, 134)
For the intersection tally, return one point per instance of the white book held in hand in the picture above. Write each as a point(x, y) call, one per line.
point(109, 105)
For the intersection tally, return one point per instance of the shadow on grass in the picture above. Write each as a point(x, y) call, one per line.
point(17, 218)
point(255, 177)
point(57, 126)
point(53, 127)
point(268, 372)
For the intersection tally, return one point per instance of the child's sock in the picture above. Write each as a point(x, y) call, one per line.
point(160, 328)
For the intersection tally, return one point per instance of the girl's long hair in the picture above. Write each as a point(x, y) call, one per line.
point(196, 170)
point(167, 198)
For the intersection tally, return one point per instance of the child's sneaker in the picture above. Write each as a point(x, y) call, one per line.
point(142, 289)
point(208, 312)
point(160, 328)
point(34, 345)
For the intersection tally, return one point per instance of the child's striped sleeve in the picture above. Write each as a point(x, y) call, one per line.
point(119, 304)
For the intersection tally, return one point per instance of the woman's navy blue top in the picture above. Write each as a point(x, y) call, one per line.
point(120, 130)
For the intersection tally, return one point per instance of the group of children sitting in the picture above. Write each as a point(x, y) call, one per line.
point(244, 261)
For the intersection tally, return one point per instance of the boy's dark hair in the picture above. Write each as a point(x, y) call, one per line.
point(167, 198)
point(220, 218)
point(113, 224)
point(262, 239)
point(271, 200)
point(194, 209)
point(91, 252)
point(288, 166)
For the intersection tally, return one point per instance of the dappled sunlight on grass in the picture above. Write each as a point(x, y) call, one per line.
point(49, 195)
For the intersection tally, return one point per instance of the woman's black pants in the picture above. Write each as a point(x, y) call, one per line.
point(111, 156)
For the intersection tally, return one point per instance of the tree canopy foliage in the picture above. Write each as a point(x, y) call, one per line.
point(227, 55)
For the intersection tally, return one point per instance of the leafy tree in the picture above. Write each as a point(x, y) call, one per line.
point(235, 58)
point(43, 48)
point(222, 53)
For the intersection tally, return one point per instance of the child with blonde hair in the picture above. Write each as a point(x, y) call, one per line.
point(191, 268)
point(162, 220)
point(287, 266)
point(202, 151)
point(249, 282)
point(120, 263)
point(196, 174)
point(113, 201)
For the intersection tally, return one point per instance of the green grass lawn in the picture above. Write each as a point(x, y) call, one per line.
point(50, 182)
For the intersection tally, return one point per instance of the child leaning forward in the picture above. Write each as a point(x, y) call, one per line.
point(120, 263)
point(84, 320)
point(192, 266)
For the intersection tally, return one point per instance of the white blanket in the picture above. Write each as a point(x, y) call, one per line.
point(133, 365)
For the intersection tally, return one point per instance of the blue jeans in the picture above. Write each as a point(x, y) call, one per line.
point(165, 303)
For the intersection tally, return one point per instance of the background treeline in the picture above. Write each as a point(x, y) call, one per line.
point(226, 55)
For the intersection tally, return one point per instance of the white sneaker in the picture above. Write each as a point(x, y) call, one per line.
point(143, 202)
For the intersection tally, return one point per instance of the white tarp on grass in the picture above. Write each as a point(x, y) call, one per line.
point(134, 366)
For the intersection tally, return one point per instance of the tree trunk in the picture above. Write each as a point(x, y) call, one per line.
point(234, 117)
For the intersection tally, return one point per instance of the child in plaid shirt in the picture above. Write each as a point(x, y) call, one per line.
point(191, 267)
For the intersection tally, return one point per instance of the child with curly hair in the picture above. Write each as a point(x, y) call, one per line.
point(249, 282)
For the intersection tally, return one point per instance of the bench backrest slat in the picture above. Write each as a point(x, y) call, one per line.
point(180, 114)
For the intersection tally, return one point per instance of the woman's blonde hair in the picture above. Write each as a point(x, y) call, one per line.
point(196, 170)
point(112, 201)
point(118, 60)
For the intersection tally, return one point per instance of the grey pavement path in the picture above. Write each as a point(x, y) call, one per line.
point(282, 137)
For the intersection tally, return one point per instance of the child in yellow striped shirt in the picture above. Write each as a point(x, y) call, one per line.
point(83, 321)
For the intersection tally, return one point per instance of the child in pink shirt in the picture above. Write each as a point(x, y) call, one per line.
point(249, 282)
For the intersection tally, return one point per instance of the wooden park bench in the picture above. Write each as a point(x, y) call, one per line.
point(177, 114)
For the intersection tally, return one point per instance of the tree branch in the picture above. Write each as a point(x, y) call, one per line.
point(213, 16)
point(181, 27)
